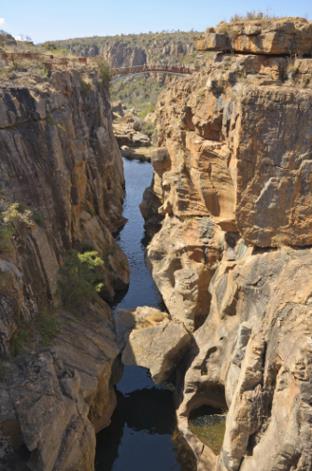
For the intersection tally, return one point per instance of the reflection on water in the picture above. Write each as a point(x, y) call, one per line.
point(142, 290)
point(140, 437)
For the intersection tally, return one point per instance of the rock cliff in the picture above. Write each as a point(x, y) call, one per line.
point(232, 258)
point(62, 190)
point(133, 49)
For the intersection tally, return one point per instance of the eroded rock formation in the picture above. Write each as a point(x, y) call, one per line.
point(232, 258)
point(151, 340)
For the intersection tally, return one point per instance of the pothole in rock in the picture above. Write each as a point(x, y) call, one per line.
point(208, 424)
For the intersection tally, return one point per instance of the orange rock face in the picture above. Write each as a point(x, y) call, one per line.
point(282, 36)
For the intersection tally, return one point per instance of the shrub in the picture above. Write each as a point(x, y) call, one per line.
point(20, 340)
point(105, 73)
point(148, 129)
point(48, 326)
point(80, 278)
point(11, 217)
point(15, 214)
point(40, 330)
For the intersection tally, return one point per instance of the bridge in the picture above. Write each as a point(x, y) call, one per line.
point(120, 72)
point(50, 61)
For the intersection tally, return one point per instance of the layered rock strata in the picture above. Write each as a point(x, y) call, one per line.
point(62, 189)
point(232, 187)
point(276, 36)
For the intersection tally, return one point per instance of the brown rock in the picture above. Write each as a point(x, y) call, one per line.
point(275, 37)
point(156, 343)
point(183, 257)
point(61, 163)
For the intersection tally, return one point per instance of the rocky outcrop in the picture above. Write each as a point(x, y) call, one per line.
point(151, 340)
point(252, 346)
point(62, 190)
point(183, 255)
point(280, 36)
point(231, 182)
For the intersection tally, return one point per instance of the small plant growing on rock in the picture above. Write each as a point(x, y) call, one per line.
point(40, 331)
point(105, 73)
point(48, 326)
point(20, 340)
point(15, 214)
point(12, 217)
point(80, 278)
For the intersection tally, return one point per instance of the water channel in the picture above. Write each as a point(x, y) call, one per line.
point(141, 435)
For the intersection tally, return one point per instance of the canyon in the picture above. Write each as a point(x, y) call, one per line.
point(228, 234)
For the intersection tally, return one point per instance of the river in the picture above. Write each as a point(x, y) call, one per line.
point(140, 437)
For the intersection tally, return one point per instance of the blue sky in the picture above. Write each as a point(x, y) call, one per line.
point(57, 19)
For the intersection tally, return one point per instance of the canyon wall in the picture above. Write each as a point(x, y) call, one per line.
point(62, 189)
point(133, 49)
point(229, 214)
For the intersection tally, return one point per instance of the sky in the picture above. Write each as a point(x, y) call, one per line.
point(61, 19)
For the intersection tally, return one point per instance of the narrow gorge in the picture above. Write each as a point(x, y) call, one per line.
point(157, 315)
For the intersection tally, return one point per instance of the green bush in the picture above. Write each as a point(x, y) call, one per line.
point(39, 331)
point(105, 73)
point(20, 340)
point(48, 326)
point(80, 278)
point(148, 129)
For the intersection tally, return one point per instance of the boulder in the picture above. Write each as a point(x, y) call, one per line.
point(155, 342)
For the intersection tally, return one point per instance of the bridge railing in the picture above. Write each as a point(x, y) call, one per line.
point(175, 69)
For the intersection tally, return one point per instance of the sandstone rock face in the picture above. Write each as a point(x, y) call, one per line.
point(63, 395)
point(251, 348)
point(274, 37)
point(62, 188)
point(234, 159)
point(58, 160)
point(155, 342)
point(183, 256)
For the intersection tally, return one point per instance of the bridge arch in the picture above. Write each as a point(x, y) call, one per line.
point(179, 70)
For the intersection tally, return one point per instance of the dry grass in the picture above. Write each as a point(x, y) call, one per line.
point(252, 15)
